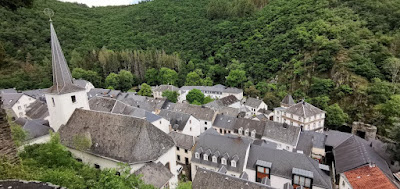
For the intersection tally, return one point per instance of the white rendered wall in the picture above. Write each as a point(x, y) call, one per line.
point(182, 154)
point(192, 127)
point(194, 170)
point(162, 124)
point(170, 157)
point(344, 183)
point(63, 107)
point(20, 106)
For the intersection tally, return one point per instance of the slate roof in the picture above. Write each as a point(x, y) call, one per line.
point(281, 132)
point(288, 100)
point(155, 174)
point(9, 99)
point(305, 143)
point(98, 92)
point(37, 110)
point(318, 139)
point(224, 121)
point(119, 137)
point(253, 102)
point(22, 184)
point(283, 163)
point(105, 104)
point(177, 120)
point(38, 94)
point(355, 152)
point(303, 109)
point(81, 82)
point(182, 140)
point(264, 111)
point(335, 138)
point(3, 91)
point(228, 100)
point(215, 88)
point(62, 79)
point(162, 88)
point(199, 112)
point(368, 177)
point(35, 129)
point(227, 145)
point(250, 124)
point(211, 179)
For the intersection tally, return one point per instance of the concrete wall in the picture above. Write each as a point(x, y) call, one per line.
point(61, 110)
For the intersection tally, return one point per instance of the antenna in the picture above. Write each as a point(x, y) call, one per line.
point(48, 12)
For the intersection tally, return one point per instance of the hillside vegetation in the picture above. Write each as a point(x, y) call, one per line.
point(330, 52)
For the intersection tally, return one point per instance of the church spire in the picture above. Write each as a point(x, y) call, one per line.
point(62, 79)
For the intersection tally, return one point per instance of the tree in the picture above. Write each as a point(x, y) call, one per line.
point(207, 100)
point(171, 95)
point(76, 60)
point(125, 79)
point(236, 78)
point(320, 101)
point(193, 79)
point(151, 76)
point(252, 91)
point(168, 76)
point(335, 117)
point(195, 95)
point(321, 86)
point(271, 100)
point(112, 80)
point(392, 66)
point(145, 90)
point(88, 75)
point(207, 81)
point(18, 133)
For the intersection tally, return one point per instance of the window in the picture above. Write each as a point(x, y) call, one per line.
point(160, 122)
point(186, 151)
point(178, 157)
point(197, 155)
point(223, 161)
point(205, 122)
point(246, 132)
point(262, 172)
point(205, 157)
point(73, 98)
point(19, 107)
point(190, 121)
point(52, 99)
point(205, 128)
point(214, 159)
point(220, 131)
point(287, 148)
point(97, 166)
point(177, 148)
point(302, 181)
point(343, 183)
point(240, 131)
point(233, 163)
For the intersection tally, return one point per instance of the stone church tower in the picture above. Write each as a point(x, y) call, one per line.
point(64, 96)
point(7, 145)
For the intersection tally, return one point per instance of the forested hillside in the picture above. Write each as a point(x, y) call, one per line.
point(330, 52)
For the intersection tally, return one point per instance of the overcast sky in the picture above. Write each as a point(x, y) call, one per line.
point(104, 2)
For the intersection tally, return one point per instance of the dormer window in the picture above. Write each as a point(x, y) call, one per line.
point(302, 178)
point(197, 155)
point(253, 133)
point(240, 131)
point(263, 169)
point(205, 157)
point(233, 163)
point(246, 132)
point(223, 161)
point(214, 159)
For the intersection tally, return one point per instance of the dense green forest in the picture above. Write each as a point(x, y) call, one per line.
point(341, 55)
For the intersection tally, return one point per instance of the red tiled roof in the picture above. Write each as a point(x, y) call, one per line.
point(368, 177)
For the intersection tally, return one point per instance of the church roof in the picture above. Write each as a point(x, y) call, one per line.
point(119, 137)
point(62, 79)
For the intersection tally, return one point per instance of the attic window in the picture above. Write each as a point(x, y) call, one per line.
point(73, 98)
point(246, 132)
point(223, 161)
point(253, 133)
point(240, 131)
point(197, 155)
point(233, 163)
point(205, 157)
point(214, 159)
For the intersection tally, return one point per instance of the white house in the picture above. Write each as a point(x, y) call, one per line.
point(17, 103)
point(110, 139)
point(285, 168)
point(205, 115)
point(214, 150)
point(215, 92)
point(254, 105)
point(64, 96)
point(182, 123)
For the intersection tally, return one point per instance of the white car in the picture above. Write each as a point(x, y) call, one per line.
point(179, 169)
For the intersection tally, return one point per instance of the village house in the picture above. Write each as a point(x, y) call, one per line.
point(158, 90)
point(312, 144)
point(182, 123)
point(156, 174)
point(282, 167)
point(206, 179)
point(254, 105)
point(368, 176)
point(16, 103)
point(302, 114)
point(38, 131)
point(215, 92)
point(205, 115)
point(184, 147)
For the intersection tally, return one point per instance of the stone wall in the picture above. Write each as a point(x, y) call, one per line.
point(7, 146)
point(360, 127)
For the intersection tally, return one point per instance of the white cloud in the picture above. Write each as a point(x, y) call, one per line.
point(97, 3)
